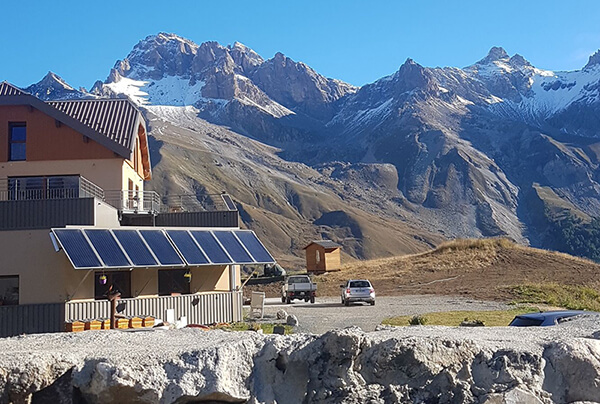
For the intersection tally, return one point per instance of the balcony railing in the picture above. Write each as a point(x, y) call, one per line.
point(197, 203)
point(133, 201)
point(126, 201)
point(51, 187)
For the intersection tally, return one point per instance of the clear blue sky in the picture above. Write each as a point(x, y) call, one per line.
point(355, 41)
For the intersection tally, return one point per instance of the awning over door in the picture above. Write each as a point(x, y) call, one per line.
point(122, 248)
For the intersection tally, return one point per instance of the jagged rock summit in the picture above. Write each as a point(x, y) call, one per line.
point(54, 87)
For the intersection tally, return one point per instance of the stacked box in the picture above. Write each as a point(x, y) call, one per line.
point(135, 322)
point(74, 326)
point(92, 325)
point(105, 323)
point(148, 321)
point(122, 323)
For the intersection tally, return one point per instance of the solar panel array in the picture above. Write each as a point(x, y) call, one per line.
point(131, 248)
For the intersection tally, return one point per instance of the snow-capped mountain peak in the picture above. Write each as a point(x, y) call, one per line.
point(495, 54)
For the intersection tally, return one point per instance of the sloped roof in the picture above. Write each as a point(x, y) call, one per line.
point(117, 119)
point(7, 89)
point(324, 244)
point(112, 123)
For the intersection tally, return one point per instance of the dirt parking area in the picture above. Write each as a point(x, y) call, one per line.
point(328, 313)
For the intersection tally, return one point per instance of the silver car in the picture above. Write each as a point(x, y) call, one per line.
point(358, 290)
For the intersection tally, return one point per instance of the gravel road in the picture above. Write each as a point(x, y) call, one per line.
point(328, 313)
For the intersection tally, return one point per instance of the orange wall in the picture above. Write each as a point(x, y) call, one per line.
point(44, 140)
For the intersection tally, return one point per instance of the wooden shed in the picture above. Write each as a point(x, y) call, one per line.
point(323, 256)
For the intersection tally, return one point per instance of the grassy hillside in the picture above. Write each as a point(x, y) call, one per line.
point(483, 269)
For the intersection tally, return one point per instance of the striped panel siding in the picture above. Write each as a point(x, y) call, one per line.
point(31, 319)
point(44, 214)
point(198, 219)
point(7, 89)
point(205, 308)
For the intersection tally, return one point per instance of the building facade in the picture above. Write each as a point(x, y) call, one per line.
point(76, 221)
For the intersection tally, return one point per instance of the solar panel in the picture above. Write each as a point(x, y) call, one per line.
point(186, 246)
point(135, 247)
point(233, 246)
point(254, 247)
point(228, 202)
point(213, 250)
point(77, 248)
point(162, 247)
point(107, 248)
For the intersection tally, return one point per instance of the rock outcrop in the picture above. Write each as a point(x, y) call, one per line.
point(404, 365)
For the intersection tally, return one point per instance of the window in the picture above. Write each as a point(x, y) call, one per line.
point(173, 281)
point(17, 135)
point(120, 281)
point(9, 290)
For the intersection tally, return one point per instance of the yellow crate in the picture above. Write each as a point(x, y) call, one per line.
point(122, 323)
point(92, 325)
point(74, 326)
point(135, 322)
point(148, 322)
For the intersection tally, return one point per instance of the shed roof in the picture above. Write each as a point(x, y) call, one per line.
point(112, 123)
point(324, 244)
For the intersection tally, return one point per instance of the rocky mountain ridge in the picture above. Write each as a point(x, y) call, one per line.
point(487, 150)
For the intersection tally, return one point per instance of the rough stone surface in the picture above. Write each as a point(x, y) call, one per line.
point(291, 320)
point(404, 365)
point(281, 314)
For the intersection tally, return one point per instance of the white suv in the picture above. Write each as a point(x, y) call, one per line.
point(358, 290)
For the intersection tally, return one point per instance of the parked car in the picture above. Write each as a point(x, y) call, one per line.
point(298, 287)
point(357, 290)
point(547, 318)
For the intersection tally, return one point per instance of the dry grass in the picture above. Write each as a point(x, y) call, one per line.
point(487, 269)
point(482, 268)
point(572, 297)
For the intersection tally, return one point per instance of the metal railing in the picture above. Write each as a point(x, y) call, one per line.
point(197, 203)
point(133, 201)
point(199, 308)
point(127, 201)
point(48, 187)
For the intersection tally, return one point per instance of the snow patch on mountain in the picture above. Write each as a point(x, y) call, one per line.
point(170, 90)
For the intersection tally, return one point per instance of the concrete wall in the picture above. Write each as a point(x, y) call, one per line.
point(45, 276)
point(106, 215)
point(106, 173)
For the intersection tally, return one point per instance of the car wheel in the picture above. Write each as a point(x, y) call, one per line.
point(373, 303)
point(288, 300)
point(346, 303)
point(282, 299)
point(312, 299)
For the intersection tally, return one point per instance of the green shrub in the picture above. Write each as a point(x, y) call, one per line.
point(417, 320)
